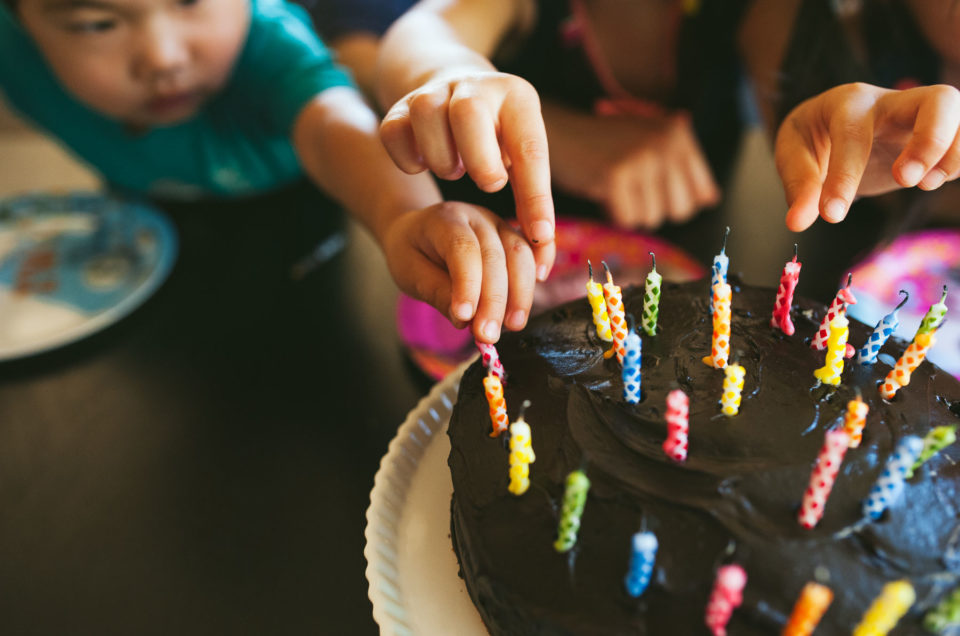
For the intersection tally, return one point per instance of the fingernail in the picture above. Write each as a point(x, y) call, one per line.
point(934, 179)
point(542, 273)
point(517, 319)
point(911, 172)
point(491, 330)
point(541, 231)
point(463, 311)
point(834, 210)
point(496, 185)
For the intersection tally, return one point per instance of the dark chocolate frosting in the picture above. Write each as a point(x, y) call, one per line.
point(734, 500)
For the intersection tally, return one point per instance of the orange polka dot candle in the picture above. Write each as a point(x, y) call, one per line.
point(855, 419)
point(493, 389)
point(618, 319)
point(720, 343)
point(899, 375)
point(808, 610)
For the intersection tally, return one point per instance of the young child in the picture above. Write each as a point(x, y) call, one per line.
point(232, 97)
point(862, 97)
point(639, 99)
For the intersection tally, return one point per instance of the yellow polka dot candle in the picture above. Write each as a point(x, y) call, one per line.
point(493, 389)
point(618, 319)
point(720, 343)
point(521, 453)
point(855, 419)
point(808, 610)
point(888, 608)
point(830, 372)
point(599, 306)
point(732, 389)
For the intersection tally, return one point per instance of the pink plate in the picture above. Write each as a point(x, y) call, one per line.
point(437, 348)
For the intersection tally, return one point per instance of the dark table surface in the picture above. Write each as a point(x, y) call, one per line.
point(203, 466)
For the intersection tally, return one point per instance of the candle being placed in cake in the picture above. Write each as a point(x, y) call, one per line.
point(726, 596)
point(618, 321)
point(678, 425)
point(720, 342)
point(521, 453)
point(832, 369)
point(881, 333)
point(813, 602)
point(855, 419)
point(732, 389)
point(887, 609)
point(934, 441)
point(574, 500)
point(838, 307)
point(889, 485)
point(718, 273)
point(599, 306)
point(498, 405)
point(643, 553)
point(835, 444)
point(491, 360)
point(945, 615)
point(651, 299)
point(630, 374)
point(781, 306)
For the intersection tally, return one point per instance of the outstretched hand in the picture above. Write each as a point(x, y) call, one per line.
point(858, 139)
point(488, 125)
point(467, 262)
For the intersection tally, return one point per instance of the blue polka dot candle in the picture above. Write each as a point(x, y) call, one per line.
point(643, 552)
point(631, 364)
point(889, 485)
point(721, 263)
point(884, 329)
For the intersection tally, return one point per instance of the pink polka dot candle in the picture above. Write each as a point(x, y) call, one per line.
point(835, 446)
point(678, 425)
point(727, 595)
point(781, 306)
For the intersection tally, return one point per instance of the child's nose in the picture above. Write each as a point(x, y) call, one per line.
point(163, 52)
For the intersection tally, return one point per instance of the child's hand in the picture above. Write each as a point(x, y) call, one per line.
point(485, 124)
point(645, 170)
point(467, 262)
point(859, 139)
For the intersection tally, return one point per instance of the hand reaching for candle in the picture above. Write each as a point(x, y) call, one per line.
point(645, 170)
point(485, 124)
point(467, 262)
point(859, 139)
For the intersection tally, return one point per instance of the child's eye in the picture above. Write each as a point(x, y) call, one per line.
point(92, 26)
point(188, 3)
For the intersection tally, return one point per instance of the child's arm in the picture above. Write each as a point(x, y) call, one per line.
point(859, 139)
point(464, 260)
point(451, 112)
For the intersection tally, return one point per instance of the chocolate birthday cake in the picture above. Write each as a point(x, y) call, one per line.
point(735, 498)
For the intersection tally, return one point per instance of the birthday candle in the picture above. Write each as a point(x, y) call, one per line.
point(521, 453)
point(933, 443)
point(631, 366)
point(678, 425)
point(813, 602)
point(651, 299)
point(889, 485)
point(882, 616)
point(726, 596)
point(574, 499)
point(720, 344)
point(642, 555)
point(884, 329)
point(788, 284)
point(498, 406)
point(600, 318)
point(491, 360)
point(618, 322)
point(732, 388)
point(934, 315)
point(830, 372)
point(718, 273)
point(835, 445)
point(855, 419)
point(899, 375)
point(838, 307)
point(945, 615)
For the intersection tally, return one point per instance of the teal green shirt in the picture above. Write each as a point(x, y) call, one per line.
point(238, 143)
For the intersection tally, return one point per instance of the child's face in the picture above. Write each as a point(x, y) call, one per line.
point(143, 62)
